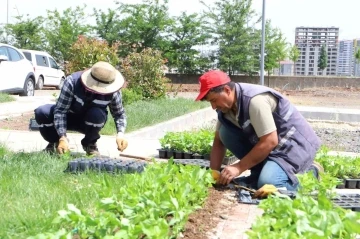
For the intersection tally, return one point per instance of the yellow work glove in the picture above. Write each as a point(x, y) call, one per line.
point(63, 146)
point(215, 174)
point(265, 191)
point(121, 142)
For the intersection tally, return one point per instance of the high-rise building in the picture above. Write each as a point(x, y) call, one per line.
point(345, 61)
point(309, 41)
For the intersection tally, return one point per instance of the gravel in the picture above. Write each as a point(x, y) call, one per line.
point(339, 136)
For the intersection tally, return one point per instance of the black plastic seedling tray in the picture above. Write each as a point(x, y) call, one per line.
point(350, 183)
point(105, 165)
point(348, 201)
point(203, 163)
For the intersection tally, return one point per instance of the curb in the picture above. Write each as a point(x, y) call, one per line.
point(332, 114)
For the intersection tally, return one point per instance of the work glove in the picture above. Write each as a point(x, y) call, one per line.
point(215, 174)
point(265, 191)
point(63, 145)
point(121, 142)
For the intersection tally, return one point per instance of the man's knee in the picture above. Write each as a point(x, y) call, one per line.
point(95, 117)
point(44, 114)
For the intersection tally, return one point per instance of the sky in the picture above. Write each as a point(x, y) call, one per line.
point(284, 14)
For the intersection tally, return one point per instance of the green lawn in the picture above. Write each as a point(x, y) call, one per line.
point(6, 98)
point(146, 113)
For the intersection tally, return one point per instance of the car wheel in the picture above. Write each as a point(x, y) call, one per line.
point(40, 83)
point(28, 88)
point(61, 83)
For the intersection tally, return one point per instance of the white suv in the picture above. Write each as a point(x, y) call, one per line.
point(16, 72)
point(47, 71)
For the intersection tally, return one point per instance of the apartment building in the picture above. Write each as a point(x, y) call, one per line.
point(345, 62)
point(309, 41)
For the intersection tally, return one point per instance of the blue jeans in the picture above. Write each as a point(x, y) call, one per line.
point(266, 172)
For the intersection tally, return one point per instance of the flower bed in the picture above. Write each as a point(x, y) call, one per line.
point(190, 145)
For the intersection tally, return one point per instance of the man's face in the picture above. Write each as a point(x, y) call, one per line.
point(222, 101)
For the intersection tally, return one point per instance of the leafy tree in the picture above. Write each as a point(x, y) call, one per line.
point(87, 51)
point(275, 46)
point(63, 29)
point(357, 61)
point(231, 23)
point(294, 54)
point(322, 62)
point(143, 25)
point(107, 25)
point(189, 31)
point(144, 73)
point(26, 33)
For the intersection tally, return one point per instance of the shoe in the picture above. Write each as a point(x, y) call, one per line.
point(317, 169)
point(50, 148)
point(91, 150)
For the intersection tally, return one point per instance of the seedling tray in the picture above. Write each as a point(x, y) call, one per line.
point(203, 163)
point(348, 201)
point(105, 165)
point(350, 183)
point(33, 125)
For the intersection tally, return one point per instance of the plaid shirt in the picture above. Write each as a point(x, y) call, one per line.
point(67, 96)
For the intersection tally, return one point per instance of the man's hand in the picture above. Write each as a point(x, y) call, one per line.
point(229, 173)
point(121, 143)
point(265, 191)
point(63, 146)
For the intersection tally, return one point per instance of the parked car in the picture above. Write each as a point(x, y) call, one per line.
point(47, 71)
point(16, 72)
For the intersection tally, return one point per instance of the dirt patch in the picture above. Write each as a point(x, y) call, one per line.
point(17, 123)
point(204, 220)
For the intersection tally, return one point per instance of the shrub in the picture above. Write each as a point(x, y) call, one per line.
point(130, 96)
point(87, 51)
point(144, 74)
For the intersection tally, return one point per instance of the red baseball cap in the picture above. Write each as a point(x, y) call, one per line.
point(210, 80)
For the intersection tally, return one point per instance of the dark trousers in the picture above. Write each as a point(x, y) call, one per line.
point(89, 123)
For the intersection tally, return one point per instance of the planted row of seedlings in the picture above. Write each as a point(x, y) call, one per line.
point(346, 169)
point(190, 145)
point(309, 215)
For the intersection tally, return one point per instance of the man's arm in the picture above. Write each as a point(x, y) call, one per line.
point(62, 106)
point(118, 112)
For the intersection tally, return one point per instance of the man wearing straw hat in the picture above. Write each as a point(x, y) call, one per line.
point(82, 107)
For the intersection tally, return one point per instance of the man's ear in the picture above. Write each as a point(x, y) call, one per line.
point(227, 90)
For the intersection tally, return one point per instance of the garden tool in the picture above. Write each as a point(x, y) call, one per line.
point(135, 157)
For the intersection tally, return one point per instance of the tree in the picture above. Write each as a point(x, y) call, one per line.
point(232, 26)
point(188, 32)
point(294, 54)
point(322, 62)
point(26, 33)
point(357, 61)
point(275, 46)
point(63, 29)
point(107, 25)
point(143, 25)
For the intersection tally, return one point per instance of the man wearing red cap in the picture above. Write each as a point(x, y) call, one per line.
point(262, 129)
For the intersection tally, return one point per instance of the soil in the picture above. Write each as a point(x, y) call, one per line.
point(17, 123)
point(204, 220)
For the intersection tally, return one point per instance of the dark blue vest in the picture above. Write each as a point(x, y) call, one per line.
point(298, 142)
point(83, 99)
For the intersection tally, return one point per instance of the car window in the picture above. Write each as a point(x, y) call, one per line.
point(53, 63)
point(27, 55)
point(3, 51)
point(14, 54)
point(42, 60)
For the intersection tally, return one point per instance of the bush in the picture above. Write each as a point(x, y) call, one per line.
point(85, 52)
point(144, 73)
point(130, 96)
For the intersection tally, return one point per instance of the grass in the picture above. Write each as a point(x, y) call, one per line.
point(146, 113)
point(6, 98)
point(33, 188)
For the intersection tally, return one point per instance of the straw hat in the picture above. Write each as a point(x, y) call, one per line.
point(102, 78)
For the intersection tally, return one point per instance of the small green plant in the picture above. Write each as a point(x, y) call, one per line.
point(130, 96)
